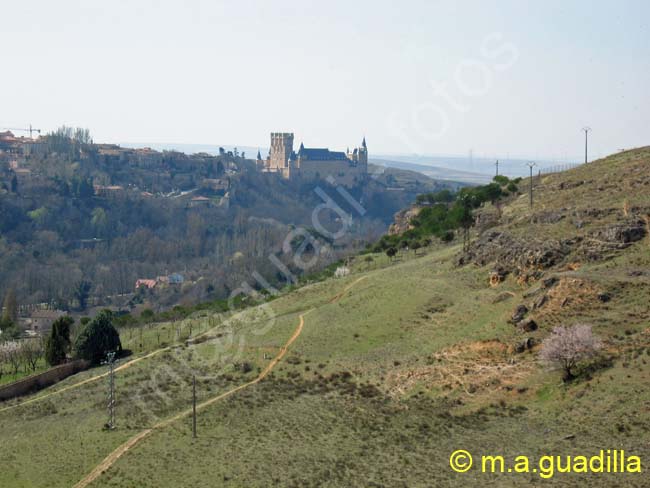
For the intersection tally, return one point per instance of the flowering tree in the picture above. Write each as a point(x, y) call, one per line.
point(341, 272)
point(567, 346)
point(10, 354)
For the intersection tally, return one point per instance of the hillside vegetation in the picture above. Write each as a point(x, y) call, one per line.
point(373, 379)
point(100, 215)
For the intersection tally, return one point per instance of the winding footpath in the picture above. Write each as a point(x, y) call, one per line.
point(84, 382)
point(133, 441)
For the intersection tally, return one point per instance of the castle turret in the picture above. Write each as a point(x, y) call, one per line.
point(363, 153)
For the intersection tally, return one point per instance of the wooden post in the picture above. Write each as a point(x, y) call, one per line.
point(194, 406)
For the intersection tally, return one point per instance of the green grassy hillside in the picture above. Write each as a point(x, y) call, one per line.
point(375, 378)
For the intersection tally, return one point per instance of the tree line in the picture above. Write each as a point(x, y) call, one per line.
point(445, 213)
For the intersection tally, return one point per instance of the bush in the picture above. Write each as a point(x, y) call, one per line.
point(501, 180)
point(98, 338)
point(390, 252)
point(512, 187)
point(447, 236)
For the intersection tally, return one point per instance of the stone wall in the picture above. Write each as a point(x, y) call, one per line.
point(344, 172)
point(43, 380)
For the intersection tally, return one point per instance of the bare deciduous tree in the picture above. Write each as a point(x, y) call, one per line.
point(567, 346)
point(32, 351)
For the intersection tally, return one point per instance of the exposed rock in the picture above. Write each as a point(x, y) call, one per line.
point(502, 297)
point(527, 325)
point(497, 276)
point(512, 253)
point(601, 243)
point(549, 282)
point(547, 217)
point(539, 303)
point(526, 344)
point(519, 313)
point(627, 232)
point(402, 220)
point(485, 220)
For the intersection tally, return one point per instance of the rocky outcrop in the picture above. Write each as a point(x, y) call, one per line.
point(601, 243)
point(525, 345)
point(511, 253)
point(527, 325)
point(402, 220)
point(519, 313)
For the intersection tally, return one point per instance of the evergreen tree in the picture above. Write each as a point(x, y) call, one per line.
point(10, 307)
point(98, 338)
point(58, 343)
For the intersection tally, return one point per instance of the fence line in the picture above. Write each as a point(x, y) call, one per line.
point(558, 168)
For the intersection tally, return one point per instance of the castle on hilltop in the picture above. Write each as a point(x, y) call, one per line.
point(347, 168)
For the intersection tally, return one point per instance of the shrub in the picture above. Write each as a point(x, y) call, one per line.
point(447, 236)
point(390, 252)
point(501, 180)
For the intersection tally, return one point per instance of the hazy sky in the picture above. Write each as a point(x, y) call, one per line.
point(517, 78)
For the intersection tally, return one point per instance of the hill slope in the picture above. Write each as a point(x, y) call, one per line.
point(388, 370)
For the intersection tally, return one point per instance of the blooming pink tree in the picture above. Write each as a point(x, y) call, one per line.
point(568, 346)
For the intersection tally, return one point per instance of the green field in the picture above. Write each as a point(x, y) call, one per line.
point(397, 365)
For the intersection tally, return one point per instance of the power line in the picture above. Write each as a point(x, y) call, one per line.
point(110, 360)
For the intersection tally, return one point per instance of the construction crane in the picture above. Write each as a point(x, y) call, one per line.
point(31, 130)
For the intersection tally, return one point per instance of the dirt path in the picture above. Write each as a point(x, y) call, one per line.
point(117, 453)
point(133, 441)
point(124, 366)
point(84, 382)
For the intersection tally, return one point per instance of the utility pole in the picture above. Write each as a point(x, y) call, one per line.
point(110, 360)
point(194, 406)
point(497, 165)
point(587, 130)
point(531, 165)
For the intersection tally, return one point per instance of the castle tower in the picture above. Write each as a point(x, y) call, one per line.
point(281, 150)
